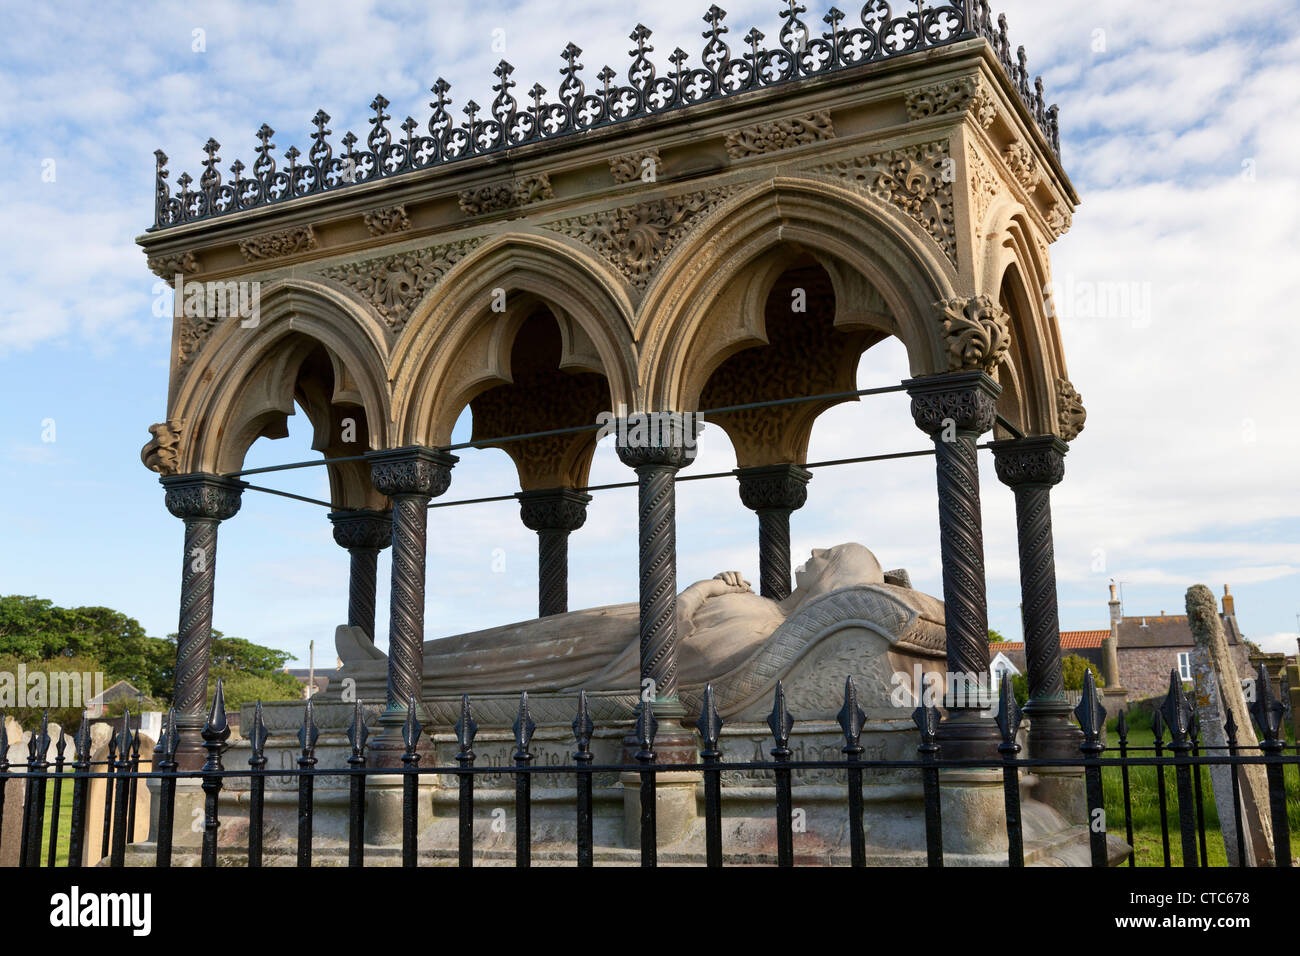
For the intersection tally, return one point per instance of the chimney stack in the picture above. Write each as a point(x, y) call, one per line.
point(1228, 607)
point(1116, 609)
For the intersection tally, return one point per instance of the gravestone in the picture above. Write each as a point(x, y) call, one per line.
point(11, 827)
point(1293, 691)
point(1217, 683)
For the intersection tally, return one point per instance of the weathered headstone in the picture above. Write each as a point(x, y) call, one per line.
point(11, 828)
point(1216, 680)
point(1293, 685)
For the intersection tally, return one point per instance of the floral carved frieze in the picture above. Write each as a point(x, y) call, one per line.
point(635, 239)
point(780, 134)
point(277, 245)
point(916, 179)
point(977, 333)
point(386, 220)
point(953, 96)
point(984, 184)
point(631, 167)
point(394, 285)
point(167, 267)
point(1059, 220)
point(495, 197)
point(1070, 413)
point(1023, 165)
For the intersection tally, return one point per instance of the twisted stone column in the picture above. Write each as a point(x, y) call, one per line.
point(410, 477)
point(202, 502)
point(656, 466)
point(364, 533)
point(1030, 467)
point(553, 514)
point(955, 409)
point(773, 491)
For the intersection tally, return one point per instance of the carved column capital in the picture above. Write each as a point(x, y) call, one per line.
point(657, 439)
point(554, 509)
point(766, 487)
point(372, 530)
point(977, 333)
point(413, 470)
point(967, 400)
point(1037, 461)
point(202, 496)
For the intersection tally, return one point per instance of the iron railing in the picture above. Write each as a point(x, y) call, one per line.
point(1184, 756)
point(884, 34)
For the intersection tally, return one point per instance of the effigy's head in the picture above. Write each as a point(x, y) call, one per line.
point(829, 569)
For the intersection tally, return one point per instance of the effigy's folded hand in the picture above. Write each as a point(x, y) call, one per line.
point(734, 580)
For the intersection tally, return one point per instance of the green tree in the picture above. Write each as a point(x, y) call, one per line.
point(996, 637)
point(1073, 667)
point(1020, 687)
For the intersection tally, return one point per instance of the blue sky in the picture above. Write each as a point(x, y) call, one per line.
point(1182, 134)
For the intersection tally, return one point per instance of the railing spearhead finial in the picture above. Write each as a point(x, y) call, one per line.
point(257, 736)
point(411, 730)
point(1091, 715)
point(710, 722)
point(1176, 709)
point(851, 718)
point(1265, 708)
point(308, 733)
point(779, 721)
point(357, 732)
point(1009, 715)
point(465, 729)
point(583, 727)
point(523, 727)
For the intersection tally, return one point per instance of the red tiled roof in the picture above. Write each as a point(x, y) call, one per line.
point(1070, 640)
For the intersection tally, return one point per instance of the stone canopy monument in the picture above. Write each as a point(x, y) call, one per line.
point(636, 244)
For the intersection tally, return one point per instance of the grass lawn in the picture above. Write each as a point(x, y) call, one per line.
point(1145, 803)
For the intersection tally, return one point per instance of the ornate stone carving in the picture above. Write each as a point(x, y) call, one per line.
point(1059, 220)
point(953, 96)
point(630, 167)
point(362, 529)
point(984, 184)
point(978, 333)
point(1022, 163)
point(200, 496)
point(637, 238)
point(1070, 413)
point(495, 197)
point(1037, 460)
point(916, 179)
point(780, 134)
point(395, 285)
point(386, 220)
point(277, 245)
point(162, 452)
point(411, 471)
point(967, 399)
point(559, 509)
point(166, 267)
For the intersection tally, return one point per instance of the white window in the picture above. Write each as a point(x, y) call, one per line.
point(1185, 666)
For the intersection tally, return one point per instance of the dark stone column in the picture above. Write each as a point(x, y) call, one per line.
point(955, 409)
point(410, 477)
point(774, 491)
point(1031, 466)
point(202, 502)
point(364, 533)
point(553, 514)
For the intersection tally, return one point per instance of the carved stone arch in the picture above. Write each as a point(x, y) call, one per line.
point(243, 385)
point(691, 311)
point(456, 346)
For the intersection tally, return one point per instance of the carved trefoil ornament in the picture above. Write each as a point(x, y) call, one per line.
point(167, 267)
point(636, 166)
point(277, 245)
point(1070, 413)
point(776, 135)
point(394, 285)
point(162, 452)
point(635, 239)
point(1022, 163)
point(977, 333)
point(495, 197)
point(386, 220)
point(961, 95)
point(916, 179)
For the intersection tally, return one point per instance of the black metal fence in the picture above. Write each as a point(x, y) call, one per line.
point(1184, 755)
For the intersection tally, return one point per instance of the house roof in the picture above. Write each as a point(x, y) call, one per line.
point(1080, 639)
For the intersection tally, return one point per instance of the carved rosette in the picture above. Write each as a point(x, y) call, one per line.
point(776, 135)
point(1022, 164)
point(162, 452)
point(553, 514)
point(964, 94)
point(496, 197)
point(977, 332)
point(1070, 413)
point(630, 167)
point(773, 491)
point(395, 285)
point(386, 220)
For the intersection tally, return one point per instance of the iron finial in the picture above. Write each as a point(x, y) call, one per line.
point(1266, 709)
point(780, 721)
point(647, 728)
point(523, 728)
point(465, 729)
point(357, 732)
point(1091, 715)
point(411, 731)
point(1009, 715)
point(257, 736)
point(583, 727)
point(1176, 709)
point(851, 719)
point(710, 723)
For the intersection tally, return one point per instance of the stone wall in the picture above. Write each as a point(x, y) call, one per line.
point(1145, 670)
